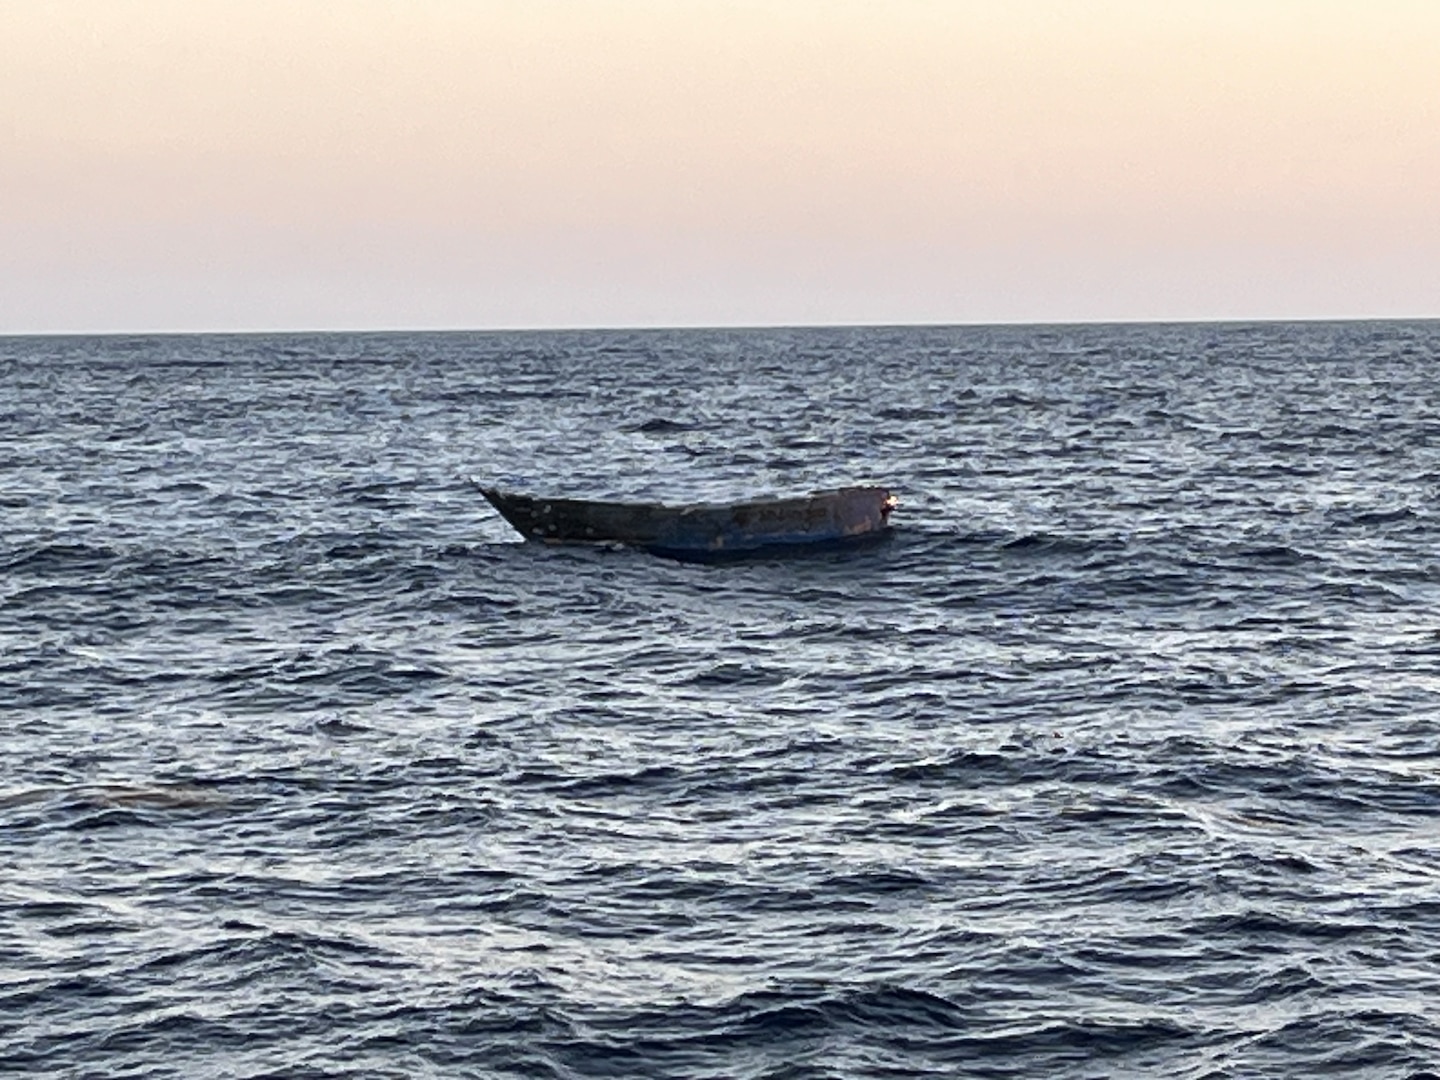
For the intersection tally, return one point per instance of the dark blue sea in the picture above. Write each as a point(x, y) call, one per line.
point(1119, 758)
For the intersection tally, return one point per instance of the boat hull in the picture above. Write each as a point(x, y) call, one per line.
point(841, 516)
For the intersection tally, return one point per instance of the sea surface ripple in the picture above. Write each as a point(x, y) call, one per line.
point(1120, 758)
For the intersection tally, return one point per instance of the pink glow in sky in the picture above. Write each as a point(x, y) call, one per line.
point(174, 164)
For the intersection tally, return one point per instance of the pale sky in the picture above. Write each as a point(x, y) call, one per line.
point(293, 164)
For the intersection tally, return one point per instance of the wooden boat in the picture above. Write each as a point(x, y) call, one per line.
point(702, 530)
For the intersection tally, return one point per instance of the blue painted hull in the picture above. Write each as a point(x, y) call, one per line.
point(705, 531)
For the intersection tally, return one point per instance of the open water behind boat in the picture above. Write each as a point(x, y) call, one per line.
point(1122, 757)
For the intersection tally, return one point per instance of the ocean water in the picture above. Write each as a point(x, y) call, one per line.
point(1121, 757)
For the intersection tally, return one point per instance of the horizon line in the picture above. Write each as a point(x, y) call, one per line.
point(667, 327)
